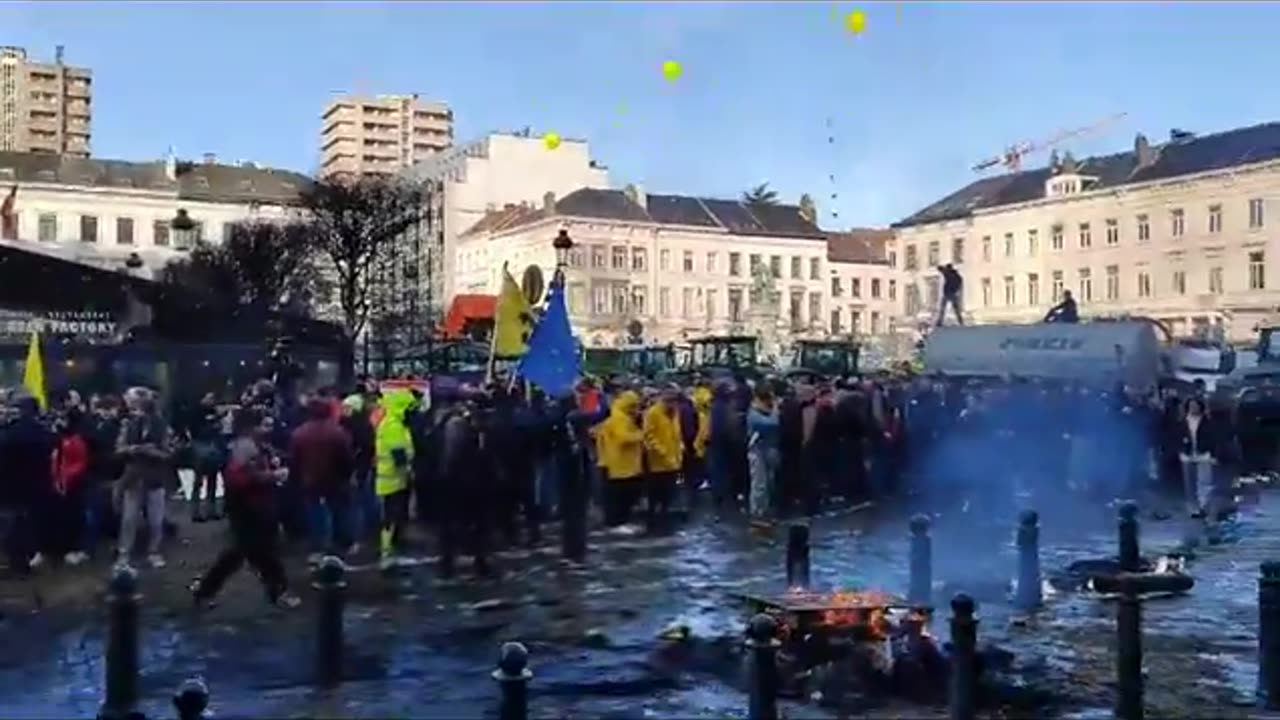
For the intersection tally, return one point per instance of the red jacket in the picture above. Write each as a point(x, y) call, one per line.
point(321, 454)
point(70, 463)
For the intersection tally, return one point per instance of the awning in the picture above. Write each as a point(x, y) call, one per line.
point(468, 308)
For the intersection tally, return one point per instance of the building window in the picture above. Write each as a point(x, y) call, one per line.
point(1033, 289)
point(1144, 284)
point(815, 309)
point(735, 264)
point(686, 302)
point(600, 299)
point(933, 291)
point(711, 303)
point(794, 307)
point(619, 254)
point(124, 231)
point(1010, 291)
point(597, 257)
point(687, 261)
point(47, 227)
point(1008, 245)
point(957, 250)
point(835, 321)
point(1057, 285)
point(227, 229)
point(639, 259)
point(1144, 228)
point(577, 258)
point(88, 228)
point(1215, 218)
point(160, 233)
point(1255, 213)
point(1215, 280)
point(577, 298)
point(935, 253)
point(815, 268)
point(1113, 282)
point(893, 258)
point(620, 299)
point(735, 304)
point(875, 288)
point(1086, 236)
point(1177, 222)
point(912, 300)
point(1086, 285)
point(855, 321)
point(755, 262)
point(664, 259)
point(1033, 242)
point(911, 261)
point(711, 262)
point(1180, 282)
point(837, 287)
point(986, 248)
point(1257, 270)
point(775, 267)
point(639, 300)
point(855, 287)
point(893, 289)
point(797, 268)
point(875, 323)
point(1055, 238)
point(986, 292)
point(1113, 232)
point(664, 302)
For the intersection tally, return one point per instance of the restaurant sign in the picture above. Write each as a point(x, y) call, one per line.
point(17, 325)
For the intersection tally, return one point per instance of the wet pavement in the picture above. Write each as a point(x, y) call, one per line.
point(419, 648)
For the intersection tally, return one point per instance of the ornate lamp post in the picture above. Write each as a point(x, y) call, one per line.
point(184, 230)
point(563, 245)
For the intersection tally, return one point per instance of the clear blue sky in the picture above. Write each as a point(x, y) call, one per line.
point(927, 90)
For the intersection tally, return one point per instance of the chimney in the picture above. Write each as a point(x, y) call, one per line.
point(210, 159)
point(58, 53)
point(549, 201)
point(1142, 151)
point(635, 193)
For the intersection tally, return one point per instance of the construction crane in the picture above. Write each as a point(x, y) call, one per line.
point(1011, 159)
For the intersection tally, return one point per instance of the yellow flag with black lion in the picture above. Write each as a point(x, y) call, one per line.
point(513, 320)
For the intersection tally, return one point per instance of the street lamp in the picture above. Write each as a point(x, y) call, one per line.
point(184, 230)
point(563, 245)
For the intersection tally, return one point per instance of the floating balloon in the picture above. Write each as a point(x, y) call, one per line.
point(672, 70)
point(856, 22)
point(551, 140)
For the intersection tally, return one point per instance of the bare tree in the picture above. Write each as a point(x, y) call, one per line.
point(263, 265)
point(353, 225)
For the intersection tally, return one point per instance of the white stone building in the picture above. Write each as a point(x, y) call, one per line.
point(682, 266)
point(1180, 231)
point(101, 211)
point(469, 180)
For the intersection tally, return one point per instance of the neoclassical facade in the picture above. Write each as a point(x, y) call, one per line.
point(1181, 231)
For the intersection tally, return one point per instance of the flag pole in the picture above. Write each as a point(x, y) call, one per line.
point(493, 336)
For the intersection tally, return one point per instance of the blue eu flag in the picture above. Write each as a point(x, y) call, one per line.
point(552, 361)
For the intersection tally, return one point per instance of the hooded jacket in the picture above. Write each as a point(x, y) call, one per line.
point(663, 441)
point(702, 411)
point(621, 441)
point(391, 438)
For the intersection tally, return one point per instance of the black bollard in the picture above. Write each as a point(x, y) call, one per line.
point(1028, 596)
point(513, 676)
point(1130, 554)
point(920, 572)
point(1129, 651)
point(763, 643)
point(1269, 635)
point(964, 658)
point(330, 587)
point(122, 647)
point(192, 699)
point(798, 556)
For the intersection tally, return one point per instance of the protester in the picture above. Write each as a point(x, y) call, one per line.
point(322, 457)
point(394, 453)
point(762, 452)
point(209, 449)
point(952, 294)
point(144, 446)
point(622, 455)
point(1065, 311)
point(664, 458)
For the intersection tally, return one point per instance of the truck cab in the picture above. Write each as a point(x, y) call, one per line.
point(819, 359)
point(648, 361)
point(725, 355)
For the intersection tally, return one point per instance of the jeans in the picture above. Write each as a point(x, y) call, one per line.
point(365, 509)
point(328, 520)
point(1197, 484)
point(134, 502)
point(548, 487)
point(956, 304)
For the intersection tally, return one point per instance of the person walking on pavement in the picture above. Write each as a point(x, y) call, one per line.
point(394, 469)
point(664, 457)
point(251, 510)
point(763, 430)
point(145, 448)
point(320, 453)
point(622, 455)
point(209, 448)
point(952, 294)
point(25, 448)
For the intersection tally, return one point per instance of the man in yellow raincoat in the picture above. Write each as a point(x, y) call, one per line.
point(620, 442)
point(664, 457)
point(393, 470)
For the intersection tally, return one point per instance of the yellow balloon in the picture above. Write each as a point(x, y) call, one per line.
point(856, 22)
point(551, 140)
point(672, 70)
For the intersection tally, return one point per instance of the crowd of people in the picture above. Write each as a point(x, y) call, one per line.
point(334, 471)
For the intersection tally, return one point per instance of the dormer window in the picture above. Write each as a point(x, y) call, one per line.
point(1068, 184)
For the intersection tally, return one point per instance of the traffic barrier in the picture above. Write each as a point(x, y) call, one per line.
point(1028, 595)
point(330, 585)
point(920, 563)
point(963, 692)
point(1269, 635)
point(513, 676)
point(192, 700)
point(122, 663)
point(763, 644)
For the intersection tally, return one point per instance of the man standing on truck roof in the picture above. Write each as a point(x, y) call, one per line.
point(1065, 311)
point(952, 293)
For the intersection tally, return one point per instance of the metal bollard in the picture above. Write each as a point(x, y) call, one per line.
point(762, 641)
point(964, 658)
point(1130, 554)
point(122, 666)
point(192, 699)
point(1128, 651)
point(920, 573)
point(513, 676)
point(1269, 635)
point(330, 586)
point(798, 556)
point(1028, 596)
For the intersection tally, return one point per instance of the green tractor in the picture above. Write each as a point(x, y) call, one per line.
point(813, 360)
point(646, 361)
point(720, 356)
